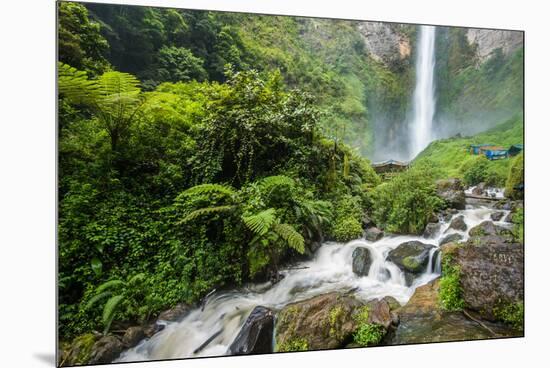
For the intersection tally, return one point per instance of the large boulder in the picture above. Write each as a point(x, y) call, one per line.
point(256, 336)
point(422, 320)
point(322, 322)
point(379, 312)
point(479, 189)
point(497, 216)
point(105, 350)
point(373, 234)
point(431, 230)
point(411, 256)
point(488, 228)
point(457, 224)
point(452, 193)
point(451, 238)
point(491, 274)
point(361, 261)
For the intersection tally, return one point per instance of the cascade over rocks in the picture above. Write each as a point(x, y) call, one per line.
point(361, 261)
point(173, 314)
point(452, 193)
point(488, 228)
point(497, 216)
point(322, 322)
point(412, 257)
point(256, 336)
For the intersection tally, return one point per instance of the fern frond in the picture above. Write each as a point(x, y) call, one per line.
point(208, 211)
point(97, 298)
point(207, 189)
point(260, 223)
point(109, 311)
point(294, 239)
point(109, 285)
point(136, 278)
point(270, 182)
point(74, 84)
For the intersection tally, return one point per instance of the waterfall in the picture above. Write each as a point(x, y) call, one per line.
point(423, 97)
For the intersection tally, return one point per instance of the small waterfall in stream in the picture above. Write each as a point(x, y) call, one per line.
point(223, 314)
point(423, 97)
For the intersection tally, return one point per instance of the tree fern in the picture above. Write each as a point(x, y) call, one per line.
point(293, 238)
point(97, 298)
point(109, 285)
point(267, 184)
point(109, 311)
point(208, 211)
point(136, 278)
point(261, 222)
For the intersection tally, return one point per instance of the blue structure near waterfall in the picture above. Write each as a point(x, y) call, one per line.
point(496, 154)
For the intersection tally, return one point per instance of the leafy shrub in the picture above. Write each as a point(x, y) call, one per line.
point(450, 291)
point(298, 344)
point(369, 334)
point(477, 171)
point(515, 178)
point(406, 203)
point(347, 229)
point(347, 219)
point(518, 220)
point(511, 313)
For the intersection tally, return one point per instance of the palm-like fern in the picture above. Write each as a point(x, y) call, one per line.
point(207, 212)
point(261, 222)
point(207, 189)
point(294, 239)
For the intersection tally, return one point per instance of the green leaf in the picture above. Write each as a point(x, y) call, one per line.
point(260, 222)
point(208, 211)
point(109, 285)
point(109, 311)
point(294, 239)
point(97, 266)
point(97, 298)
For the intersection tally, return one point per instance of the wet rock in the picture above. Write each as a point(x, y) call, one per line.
point(392, 302)
point(373, 234)
point(491, 274)
point(314, 245)
point(133, 336)
point(509, 217)
point(411, 256)
point(452, 193)
point(457, 224)
point(105, 350)
point(489, 228)
point(322, 322)
point(379, 312)
point(176, 313)
point(361, 261)
point(451, 238)
point(153, 328)
point(256, 336)
point(431, 230)
point(422, 320)
point(497, 216)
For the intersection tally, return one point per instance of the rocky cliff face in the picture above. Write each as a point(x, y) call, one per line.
point(488, 40)
point(384, 43)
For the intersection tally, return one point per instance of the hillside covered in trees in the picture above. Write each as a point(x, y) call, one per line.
point(203, 151)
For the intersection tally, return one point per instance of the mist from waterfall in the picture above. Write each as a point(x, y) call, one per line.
point(424, 92)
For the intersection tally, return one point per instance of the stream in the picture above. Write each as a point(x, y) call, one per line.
point(224, 313)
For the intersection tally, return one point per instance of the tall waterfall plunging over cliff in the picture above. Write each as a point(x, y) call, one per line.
point(424, 94)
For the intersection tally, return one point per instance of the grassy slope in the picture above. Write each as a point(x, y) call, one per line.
point(450, 157)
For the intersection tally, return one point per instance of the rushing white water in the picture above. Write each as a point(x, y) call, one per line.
point(330, 270)
point(424, 94)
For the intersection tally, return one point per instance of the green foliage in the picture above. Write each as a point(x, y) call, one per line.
point(298, 344)
point(515, 178)
point(450, 291)
point(511, 313)
point(519, 221)
point(406, 203)
point(179, 64)
point(369, 334)
point(347, 229)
